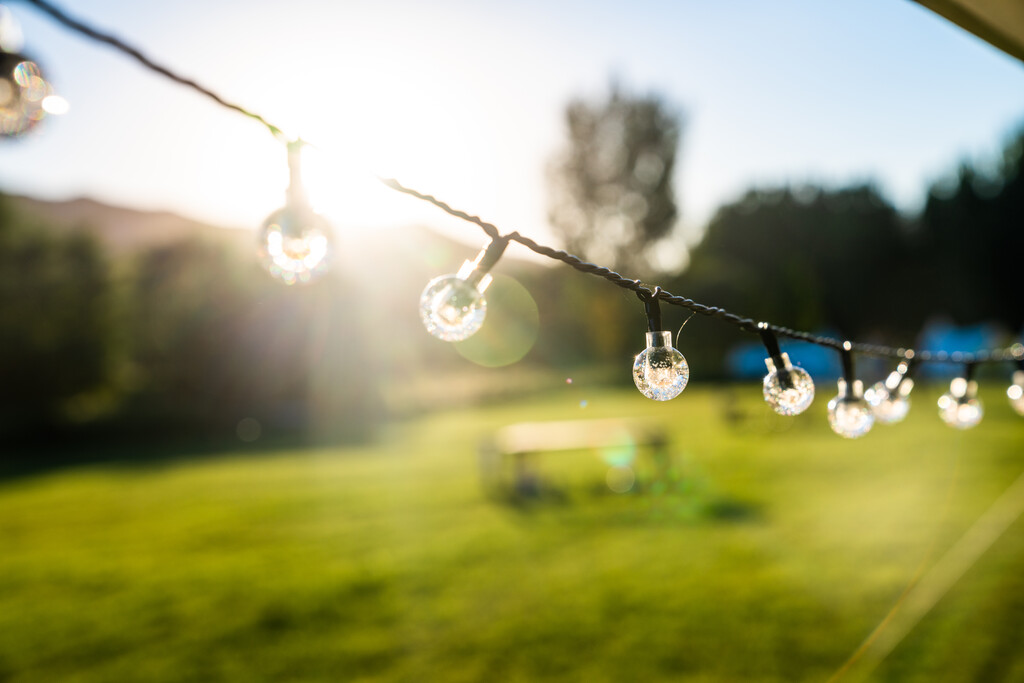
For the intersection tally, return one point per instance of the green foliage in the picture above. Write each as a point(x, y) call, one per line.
point(811, 259)
point(612, 188)
point(390, 563)
point(815, 258)
point(843, 259)
point(217, 341)
point(189, 338)
point(57, 326)
point(970, 243)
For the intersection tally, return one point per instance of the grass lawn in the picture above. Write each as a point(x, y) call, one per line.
point(768, 552)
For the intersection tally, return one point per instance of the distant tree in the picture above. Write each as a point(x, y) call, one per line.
point(809, 258)
point(611, 189)
point(969, 242)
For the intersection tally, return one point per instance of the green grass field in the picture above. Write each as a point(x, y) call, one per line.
point(768, 552)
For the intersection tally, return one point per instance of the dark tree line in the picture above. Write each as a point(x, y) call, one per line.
point(193, 337)
point(185, 339)
point(838, 259)
point(845, 260)
point(57, 338)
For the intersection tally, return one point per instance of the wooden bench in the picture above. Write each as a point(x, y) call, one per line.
point(509, 459)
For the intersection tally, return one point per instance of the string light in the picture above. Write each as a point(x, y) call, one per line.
point(296, 245)
point(1015, 392)
point(849, 414)
point(890, 399)
point(295, 242)
point(23, 90)
point(453, 307)
point(660, 371)
point(960, 407)
point(788, 390)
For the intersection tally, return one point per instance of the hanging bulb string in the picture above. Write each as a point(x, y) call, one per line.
point(113, 41)
point(742, 322)
point(489, 229)
point(1015, 352)
point(846, 352)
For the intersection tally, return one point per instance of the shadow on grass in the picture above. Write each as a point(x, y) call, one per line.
point(684, 501)
point(147, 444)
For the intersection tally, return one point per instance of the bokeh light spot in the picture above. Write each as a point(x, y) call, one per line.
point(620, 478)
point(249, 429)
point(511, 329)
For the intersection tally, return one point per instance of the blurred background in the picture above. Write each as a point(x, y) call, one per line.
point(208, 474)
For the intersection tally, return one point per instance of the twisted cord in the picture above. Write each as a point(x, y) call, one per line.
point(750, 325)
point(489, 228)
point(744, 323)
point(136, 54)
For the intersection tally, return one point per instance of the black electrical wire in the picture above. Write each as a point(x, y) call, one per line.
point(645, 291)
point(113, 41)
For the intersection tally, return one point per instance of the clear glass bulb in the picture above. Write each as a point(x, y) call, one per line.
point(1015, 392)
point(453, 307)
point(849, 414)
point(890, 400)
point(295, 245)
point(960, 407)
point(22, 91)
point(791, 397)
point(660, 371)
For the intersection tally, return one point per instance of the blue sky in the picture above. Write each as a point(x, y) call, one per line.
point(465, 99)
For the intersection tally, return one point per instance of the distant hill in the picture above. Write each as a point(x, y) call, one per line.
point(374, 254)
point(120, 229)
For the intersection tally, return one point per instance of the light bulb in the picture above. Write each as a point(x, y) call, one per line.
point(660, 371)
point(1015, 392)
point(890, 400)
point(960, 407)
point(849, 414)
point(790, 392)
point(295, 244)
point(453, 307)
point(22, 91)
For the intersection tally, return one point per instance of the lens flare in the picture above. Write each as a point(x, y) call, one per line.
point(23, 92)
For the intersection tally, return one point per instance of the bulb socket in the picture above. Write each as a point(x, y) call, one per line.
point(477, 271)
point(296, 194)
point(850, 391)
point(474, 276)
point(782, 367)
point(963, 389)
point(659, 339)
point(777, 360)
